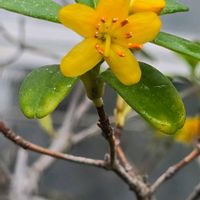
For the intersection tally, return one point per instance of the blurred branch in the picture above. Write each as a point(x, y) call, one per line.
point(190, 90)
point(171, 171)
point(21, 45)
point(130, 168)
point(82, 135)
point(19, 180)
point(135, 184)
point(17, 42)
point(195, 195)
point(38, 149)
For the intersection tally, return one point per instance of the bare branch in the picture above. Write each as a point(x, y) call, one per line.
point(21, 45)
point(190, 90)
point(38, 149)
point(131, 169)
point(195, 195)
point(82, 135)
point(171, 171)
point(107, 130)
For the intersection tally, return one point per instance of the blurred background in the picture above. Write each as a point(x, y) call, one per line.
point(26, 44)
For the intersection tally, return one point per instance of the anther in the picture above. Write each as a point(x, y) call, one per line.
point(129, 35)
point(134, 46)
point(98, 26)
point(97, 46)
point(121, 54)
point(123, 23)
point(130, 45)
point(96, 34)
point(103, 20)
point(114, 20)
point(99, 49)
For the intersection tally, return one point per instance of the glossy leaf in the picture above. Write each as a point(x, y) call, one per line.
point(42, 90)
point(91, 3)
point(42, 9)
point(48, 9)
point(173, 6)
point(154, 98)
point(178, 44)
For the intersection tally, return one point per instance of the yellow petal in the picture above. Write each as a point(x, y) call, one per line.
point(190, 131)
point(80, 59)
point(113, 8)
point(146, 5)
point(80, 18)
point(124, 65)
point(143, 26)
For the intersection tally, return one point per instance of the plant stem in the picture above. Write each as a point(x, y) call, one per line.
point(107, 130)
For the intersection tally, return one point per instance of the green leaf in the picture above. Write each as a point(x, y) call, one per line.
point(91, 3)
point(173, 6)
point(178, 44)
point(154, 98)
point(42, 9)
point(42, 90)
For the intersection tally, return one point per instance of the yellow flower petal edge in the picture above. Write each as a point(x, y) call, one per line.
point(125, 67)
point(82, 21)
point(109, 34)
point(80, 59)
point(146, 5)
point(113, 8)
point(144, 26)
point(190, 131)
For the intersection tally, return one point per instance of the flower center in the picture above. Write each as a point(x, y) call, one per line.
point(105, 33)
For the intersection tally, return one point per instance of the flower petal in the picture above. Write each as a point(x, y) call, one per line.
point(146, 5)
point(80, 59)
point(113, 8)
point(143, 26)
point(80, 18)
point(124, 65)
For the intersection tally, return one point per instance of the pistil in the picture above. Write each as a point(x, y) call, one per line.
point(107, 45)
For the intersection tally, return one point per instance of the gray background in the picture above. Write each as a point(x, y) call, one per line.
point(80, 182)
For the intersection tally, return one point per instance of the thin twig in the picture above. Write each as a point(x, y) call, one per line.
point(107, 130)
point(171, 171)
point(139, 187)
point(21, 45)
point(8, 133)
point(195, 195)
point(84, 134)
point(190, 90)
point(131, 169)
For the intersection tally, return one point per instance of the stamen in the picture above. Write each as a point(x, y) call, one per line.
point(130, 45)
point(96, 34)
point(137, 46)
point(114, 20)
point(134, 46)
point(99, 49)
point(98, 26)
point(103, 19)
point(107, 45)
point(121, 54)
point(129, 35)
point(123, 23)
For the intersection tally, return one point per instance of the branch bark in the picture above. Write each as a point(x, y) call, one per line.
point(8, 133)
point(107, 130)
point(171, 171)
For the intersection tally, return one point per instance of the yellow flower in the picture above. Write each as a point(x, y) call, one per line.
point(190, 131)
point(146, 5)
point(109, 34)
